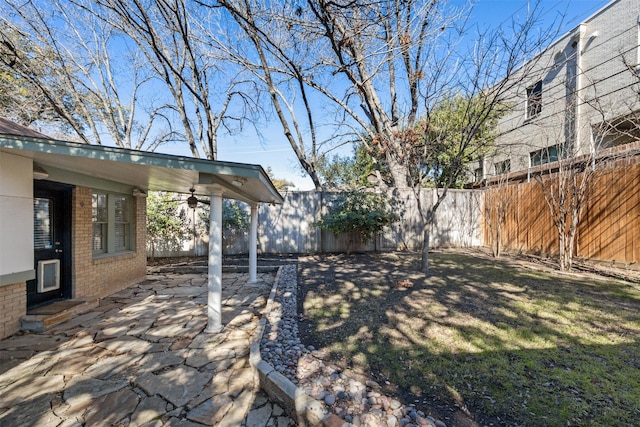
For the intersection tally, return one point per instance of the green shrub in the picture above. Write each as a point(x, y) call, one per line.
point(358, 212)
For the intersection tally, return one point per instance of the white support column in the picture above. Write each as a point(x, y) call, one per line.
point(253, 244)
point(214, 296)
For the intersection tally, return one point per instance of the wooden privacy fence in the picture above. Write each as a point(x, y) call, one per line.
point(610, 225)
point(610, 228)
point(289, 228)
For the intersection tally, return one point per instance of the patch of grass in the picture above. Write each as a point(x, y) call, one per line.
point(498, 342)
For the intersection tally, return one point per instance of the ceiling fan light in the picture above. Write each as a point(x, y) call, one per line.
point(192, 201)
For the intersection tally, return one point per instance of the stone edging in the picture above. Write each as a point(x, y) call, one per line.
point(305, 410)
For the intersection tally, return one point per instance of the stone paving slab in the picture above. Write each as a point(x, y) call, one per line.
point(141, 358)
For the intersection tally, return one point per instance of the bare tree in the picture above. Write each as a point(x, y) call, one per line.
point(499, 199)
point(171, 37)
point(352, 65)
point(566, 183)
point(460, 127)
point(567, 173)
point(453, 134)
point(67, 61)
point(383, 67)
point(131, 72)
point(20, 101)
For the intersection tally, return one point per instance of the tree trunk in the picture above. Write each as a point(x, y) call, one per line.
point(349, 243)
point(424, 267)
point(498, 240)
point(569, 251)
point(562, 249)
point(427, 220)
point(397, 170)
point(571, 242)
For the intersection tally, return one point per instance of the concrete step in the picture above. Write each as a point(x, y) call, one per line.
point(42, 318)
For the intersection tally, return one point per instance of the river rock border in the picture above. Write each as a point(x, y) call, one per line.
point(311, 392)
point(303, 409)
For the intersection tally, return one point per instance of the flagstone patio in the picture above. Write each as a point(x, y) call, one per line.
point(141, 358)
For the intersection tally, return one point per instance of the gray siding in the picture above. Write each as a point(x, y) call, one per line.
point(585, 83)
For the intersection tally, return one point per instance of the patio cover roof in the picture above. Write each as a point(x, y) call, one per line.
point(141, 169)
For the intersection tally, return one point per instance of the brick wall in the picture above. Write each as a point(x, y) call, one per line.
point(102, 276)
point(92, 278)
point(13, 305)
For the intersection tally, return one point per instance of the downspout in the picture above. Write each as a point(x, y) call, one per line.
point(582, 28)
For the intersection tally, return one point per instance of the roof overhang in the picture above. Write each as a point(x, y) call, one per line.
point(144, 170)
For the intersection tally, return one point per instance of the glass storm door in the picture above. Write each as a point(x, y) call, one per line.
point(51, 244)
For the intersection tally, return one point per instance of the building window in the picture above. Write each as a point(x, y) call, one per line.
point(477, 174)
point(99, 219)
point(42, 221)
point(121, 223)
point(503, 167)
point(545, 155)
point(534, 100)
point(616, 133)
point(111, 223)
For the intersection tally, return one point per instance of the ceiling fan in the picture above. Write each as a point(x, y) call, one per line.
point(192, 201)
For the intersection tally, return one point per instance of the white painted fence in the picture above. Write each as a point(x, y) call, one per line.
point(289, 228)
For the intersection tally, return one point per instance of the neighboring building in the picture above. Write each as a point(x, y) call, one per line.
point(73, 219)
point(577, 97)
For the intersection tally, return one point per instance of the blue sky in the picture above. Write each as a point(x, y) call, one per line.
point(277, 153)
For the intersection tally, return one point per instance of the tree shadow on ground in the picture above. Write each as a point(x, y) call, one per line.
point(139, 358)
point(479, 340)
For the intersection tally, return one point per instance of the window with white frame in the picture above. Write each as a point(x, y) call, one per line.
point(111, 222)
point(99, 215)
point(534, 100)
point(544, 155)
point(478, 174)
point(615, 133)
point(121, 223)
point(502, 167)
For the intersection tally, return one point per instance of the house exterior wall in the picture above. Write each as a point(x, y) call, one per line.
point(611, 35)
point(16, 216)
point(16, 239)
point(92, 277)
point(585, 86)
point(13, 305)
point(97, 277)
point(611, 44)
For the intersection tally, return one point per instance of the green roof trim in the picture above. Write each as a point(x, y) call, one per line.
point(258, 189)
point(116, 154)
